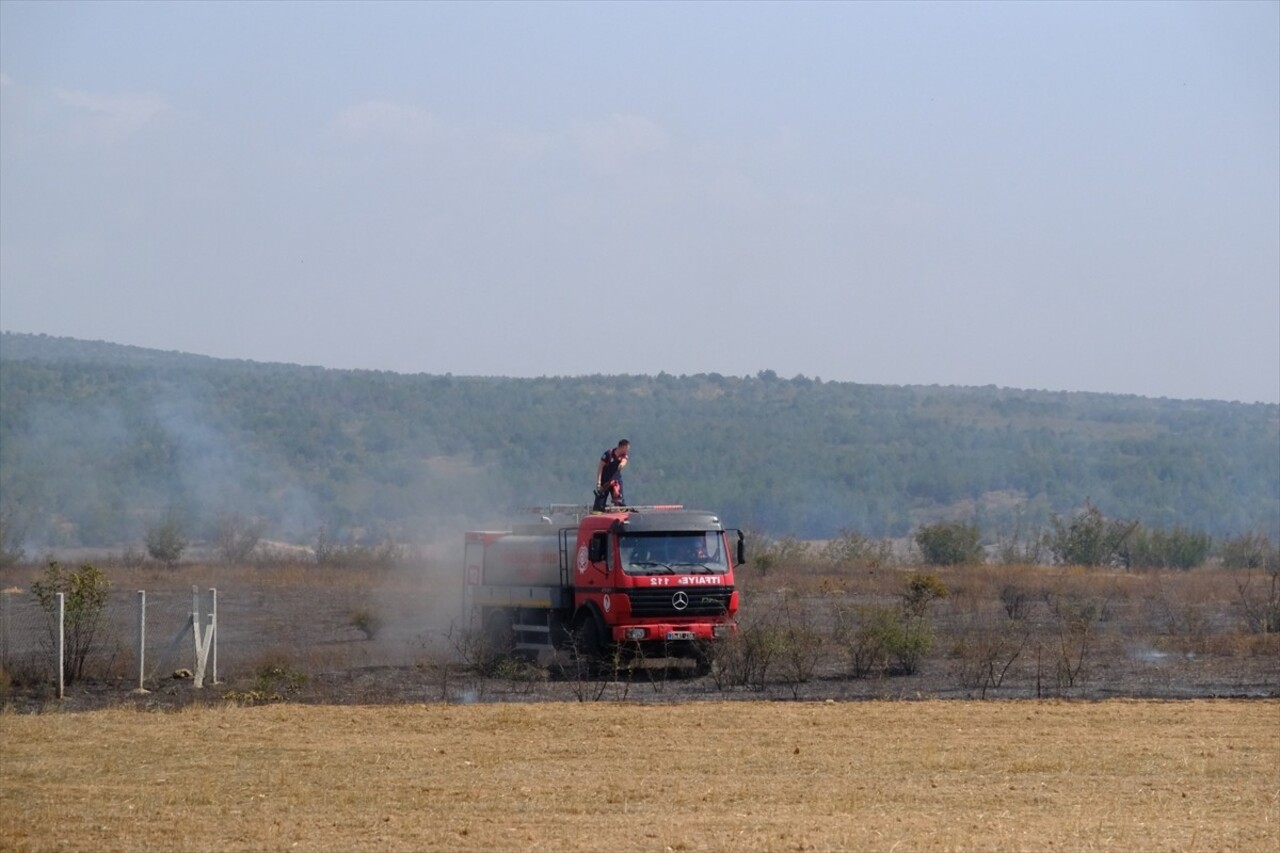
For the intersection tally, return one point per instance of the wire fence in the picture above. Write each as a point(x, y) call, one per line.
point(137, 636)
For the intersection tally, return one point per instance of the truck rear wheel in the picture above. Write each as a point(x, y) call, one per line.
point(499, 640)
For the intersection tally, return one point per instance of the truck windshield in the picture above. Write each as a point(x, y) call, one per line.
point(673, 553)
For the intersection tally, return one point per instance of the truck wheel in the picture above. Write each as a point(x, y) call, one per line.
point(499, 641)
point(703, 657)
point(701, 664)
point(589, 647)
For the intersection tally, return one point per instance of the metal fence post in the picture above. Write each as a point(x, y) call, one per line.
point(198, 678)
point(4, 629)
point(62, 614)
point(202, 636)
point(213, 624)
point(142, 638)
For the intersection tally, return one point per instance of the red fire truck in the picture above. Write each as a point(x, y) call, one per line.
point(653, 582)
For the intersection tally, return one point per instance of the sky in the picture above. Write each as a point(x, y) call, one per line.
point(1062, 196)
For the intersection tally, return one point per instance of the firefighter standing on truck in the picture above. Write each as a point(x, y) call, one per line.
point(609, 476)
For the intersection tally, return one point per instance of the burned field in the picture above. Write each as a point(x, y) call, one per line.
point(301, 633)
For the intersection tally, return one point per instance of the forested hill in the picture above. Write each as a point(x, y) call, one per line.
point(97, 441)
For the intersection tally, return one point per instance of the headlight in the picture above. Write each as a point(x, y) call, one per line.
point(635, 633)
point(719, 631)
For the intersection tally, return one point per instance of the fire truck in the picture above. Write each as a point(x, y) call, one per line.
point(627, 584)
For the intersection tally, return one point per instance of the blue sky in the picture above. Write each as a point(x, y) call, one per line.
point(1079, 196)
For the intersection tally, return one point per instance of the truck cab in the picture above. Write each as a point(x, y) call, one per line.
point(658, 577)
point(631, 582)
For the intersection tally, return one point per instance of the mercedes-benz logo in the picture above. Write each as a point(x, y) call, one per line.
point(680, 600)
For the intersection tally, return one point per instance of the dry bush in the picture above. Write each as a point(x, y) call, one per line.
point(745, 658)
point(1259, 595)
point(861, 631)
point(799, 642)
point(366, 621)
point(986, 652)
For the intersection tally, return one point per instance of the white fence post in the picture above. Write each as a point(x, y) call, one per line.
point(142, 638)
point(62, 614)
point(213, 625)
point(4, 629)
point(204, 637)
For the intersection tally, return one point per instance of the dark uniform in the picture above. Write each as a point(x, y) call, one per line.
point(610, 480)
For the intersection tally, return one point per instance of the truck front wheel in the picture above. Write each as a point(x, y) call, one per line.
point(588, 647)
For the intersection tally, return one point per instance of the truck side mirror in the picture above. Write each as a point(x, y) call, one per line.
point(742, 548)
point(596, 549)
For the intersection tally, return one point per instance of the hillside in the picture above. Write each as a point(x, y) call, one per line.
point(99, 440)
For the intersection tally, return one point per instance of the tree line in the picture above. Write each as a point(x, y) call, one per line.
point(99, 443)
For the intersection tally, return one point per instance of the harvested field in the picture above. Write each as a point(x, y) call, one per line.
point(954, 775)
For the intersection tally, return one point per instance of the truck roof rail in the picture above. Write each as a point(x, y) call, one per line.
point(580, 510)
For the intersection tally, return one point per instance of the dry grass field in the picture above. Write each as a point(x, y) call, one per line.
point(1002, 632)
point(954, 775)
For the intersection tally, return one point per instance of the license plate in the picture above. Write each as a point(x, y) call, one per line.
point(679, 635)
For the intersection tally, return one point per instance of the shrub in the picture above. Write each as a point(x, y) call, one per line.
point(1076, 618)
point(767, 553)
point(279, 678)
point(1251, 551)
point(1261, 605)
point(1165, 549)
point(876, 637)
point(987, 652)
point(799, 642)
point(1016, 600)
point(330, 552)
point(11, 550)
point(921, 590)
point(850, 548)
point(745, 658)
point(1021, 547)
point(1089, 538)
point(366, 622)
point(84, 593)
point(237, 537)
point(909, 642)
point(864, 632)
point(950, 544)
point(165, 542)
point(273, 682)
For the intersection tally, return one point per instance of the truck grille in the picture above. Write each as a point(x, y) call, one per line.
point(664, 601)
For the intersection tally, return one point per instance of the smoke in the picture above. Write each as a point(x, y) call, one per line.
point(99, 473)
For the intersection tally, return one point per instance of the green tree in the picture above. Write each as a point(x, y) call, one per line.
point(166, 542)
point(950, 544)
point(84, 601)
point(1089, 538)
point(1165, 549)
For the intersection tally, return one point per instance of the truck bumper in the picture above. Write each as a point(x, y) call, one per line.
point(673, 632)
